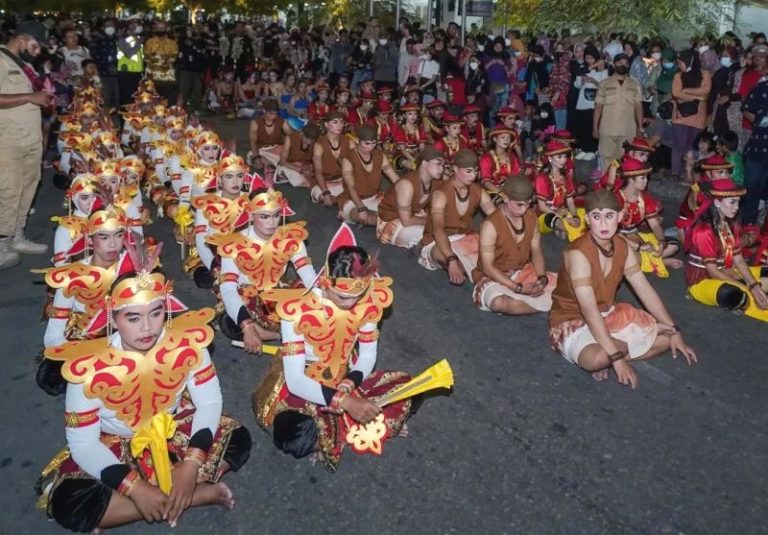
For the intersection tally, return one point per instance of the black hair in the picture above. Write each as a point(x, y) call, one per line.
point(730, 140)
point(707, 136)
point(592, 52)
point(693, 77)
point(346, 261)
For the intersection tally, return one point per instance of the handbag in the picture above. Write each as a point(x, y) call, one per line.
point(686, 109)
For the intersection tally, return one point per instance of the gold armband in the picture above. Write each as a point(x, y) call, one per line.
point(581, 281)
point(631, 270)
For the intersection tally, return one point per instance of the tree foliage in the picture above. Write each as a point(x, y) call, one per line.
point(647, 17)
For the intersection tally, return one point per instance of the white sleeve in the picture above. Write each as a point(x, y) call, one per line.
point(84, 442)
point(201, 231)
point(366, 351)
point(158, 154)
point(229, 294)
point(293, 367)
point(64, 162)
point(54, 330)
point(204, 389)
point(134, 218)
point(61, 244)
point(185, 188)
point(307, 272)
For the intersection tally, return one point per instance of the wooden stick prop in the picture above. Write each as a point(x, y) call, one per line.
point(265, 349)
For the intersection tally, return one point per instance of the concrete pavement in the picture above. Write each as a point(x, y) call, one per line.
point(526, 443)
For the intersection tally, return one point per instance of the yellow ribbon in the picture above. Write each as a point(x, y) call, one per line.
point(155, 435)
point(184, 217)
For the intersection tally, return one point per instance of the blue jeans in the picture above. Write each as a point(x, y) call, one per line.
point(501, 99)
point(561, 118)
point(756, 181)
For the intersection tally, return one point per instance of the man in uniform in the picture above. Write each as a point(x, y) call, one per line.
point(21, 142)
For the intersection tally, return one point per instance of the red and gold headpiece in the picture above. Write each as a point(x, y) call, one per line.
point(176, 122)
point(104, 168)
point(82, 183)
point(109, 219)
point(145, 97)
point(206, 137)
point(107, 138)
point(132, 163)
point(269, 201)
point(88, 108)
point(362, 273)
point(231, 162)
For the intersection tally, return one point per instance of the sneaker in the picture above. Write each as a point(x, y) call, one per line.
point(8, 258)
point(21, 244)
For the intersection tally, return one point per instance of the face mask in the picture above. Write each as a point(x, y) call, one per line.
point(726, 62)
point(656, 56)
point(621, 70)
point(667, 64)
point(507, 41)
point(473, 65)
point(363, 47)
point(703, 49)
point(139, 29)
point(109, 30)
point(538, 60)
point(382, 42)
point(26, 57)
point(544, 115)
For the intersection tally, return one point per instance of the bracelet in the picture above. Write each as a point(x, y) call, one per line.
point(640, 246)
point(518, 287)
point(451, 258)
point(326, 192)
point(347, 385)
point(128, 482)
point(613, 357)
point(336, 402)
point(246, 323)
point(361, 209)
point(756, 283)
point(196, 455)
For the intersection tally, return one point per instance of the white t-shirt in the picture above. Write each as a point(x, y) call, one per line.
point(74, 59)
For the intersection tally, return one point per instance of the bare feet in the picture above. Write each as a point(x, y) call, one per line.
point(600, 375)
point(674, 263)
point(218, 494)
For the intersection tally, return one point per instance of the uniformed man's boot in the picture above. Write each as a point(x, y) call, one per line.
point(8, 258)
point(21, 244)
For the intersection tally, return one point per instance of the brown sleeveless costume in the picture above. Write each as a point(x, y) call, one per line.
point(510, 254)
point(455, 223)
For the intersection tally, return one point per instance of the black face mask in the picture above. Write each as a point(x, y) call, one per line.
point(26, 57)
point(621, 70)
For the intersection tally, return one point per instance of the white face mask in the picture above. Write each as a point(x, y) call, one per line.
point(363, 47)
point(545, 115)
point(703, 49)
point(382, 42)
point(139, 29)
point(507, 41)
point(726, 62)
point(656, 56)
point(109, 30)
point(473, 65)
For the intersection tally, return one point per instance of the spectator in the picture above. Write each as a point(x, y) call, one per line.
point(385, 60)
point(340, 51)
point(161, 53)
point(21, 148)
point(73, 55)
point(130, 61)
point(497, 66)
point(587, 84)
point(192, 67)
point(690, 91)
point(756, 152)
point(104, 52)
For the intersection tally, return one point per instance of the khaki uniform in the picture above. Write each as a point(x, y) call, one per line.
point(21, 150)
point(617, 123)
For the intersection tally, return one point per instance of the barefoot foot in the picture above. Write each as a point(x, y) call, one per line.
point(674, 263)
point(218, 494)
point(600, 375)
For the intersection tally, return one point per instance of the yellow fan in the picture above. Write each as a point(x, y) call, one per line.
point(440, 375)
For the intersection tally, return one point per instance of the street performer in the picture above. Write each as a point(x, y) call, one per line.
point(320, 385)
point(127, 416)
point(511, 277)
point(586, 325)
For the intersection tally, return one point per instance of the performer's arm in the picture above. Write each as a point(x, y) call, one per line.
point(389, 171)
point(368, 344)
point(405, 193)
point(185, 188)
point(302, 263)
point(488, 255)
point(294, 360)
point(202, 230)
point(581, 279)
point(57, 323)
point(486, 203)
point(204, 389)
point(61, 244)
point(233, 303)
point(317, 163)
point(83, 430)
point(134, 219)
point(437, 213)
point(348, 174)
point(537, 255)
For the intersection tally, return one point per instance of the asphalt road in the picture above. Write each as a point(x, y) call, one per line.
point(526, 443)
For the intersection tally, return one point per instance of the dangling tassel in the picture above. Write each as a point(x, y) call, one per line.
point(109, 324)
point(168, 316)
